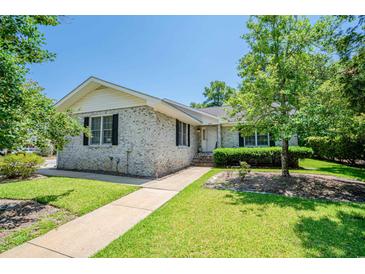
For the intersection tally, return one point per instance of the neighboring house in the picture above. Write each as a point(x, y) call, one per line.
point(139, 134)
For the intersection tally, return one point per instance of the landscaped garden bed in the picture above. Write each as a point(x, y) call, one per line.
point(297, 185)
point(30, 208)
point(20, 214)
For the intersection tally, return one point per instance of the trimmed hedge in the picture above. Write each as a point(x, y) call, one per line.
point(19, 165)
point(260, 156)
point(338, 149)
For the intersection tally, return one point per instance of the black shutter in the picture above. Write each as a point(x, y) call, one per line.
point(188, 135)
point(272, 141)
point(177, 132)
point(115, 130)
point(86, 124)
point(240, 140)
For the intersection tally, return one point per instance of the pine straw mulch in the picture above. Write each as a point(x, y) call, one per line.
point(297, 185)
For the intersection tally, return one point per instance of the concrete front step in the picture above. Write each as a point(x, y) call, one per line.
point(203, 159)
point(203, 164)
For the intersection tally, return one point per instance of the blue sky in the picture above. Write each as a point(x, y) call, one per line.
point(171, 57)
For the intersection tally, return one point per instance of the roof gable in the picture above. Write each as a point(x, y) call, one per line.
point(97, 88)
point(95, 94)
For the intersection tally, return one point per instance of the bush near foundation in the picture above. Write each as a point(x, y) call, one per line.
point(19, 165)
point(260, 156)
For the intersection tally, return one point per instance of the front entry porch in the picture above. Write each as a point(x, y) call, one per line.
point(209, 138)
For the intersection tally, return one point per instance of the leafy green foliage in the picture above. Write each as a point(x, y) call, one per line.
point(352, 77)
point(264, 156)
point(341, 148)
point(216, 95)
point(20, 165)
point(20, 45)
point(348, 39)
point(243, 170)
point(284, 66)
point(25, 112)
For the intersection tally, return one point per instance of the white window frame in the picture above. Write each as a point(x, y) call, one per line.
point(256, 145)
point(183, 133)
point(101, 130)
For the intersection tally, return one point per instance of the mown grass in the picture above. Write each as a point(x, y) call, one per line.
point(201, 222)
point(74, 196)
point(311, 166)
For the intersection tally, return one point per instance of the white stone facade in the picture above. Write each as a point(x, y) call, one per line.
point(146, 146)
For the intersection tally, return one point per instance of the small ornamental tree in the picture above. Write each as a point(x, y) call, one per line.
point(282, 69)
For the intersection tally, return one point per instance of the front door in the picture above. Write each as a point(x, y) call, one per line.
point(203, 139)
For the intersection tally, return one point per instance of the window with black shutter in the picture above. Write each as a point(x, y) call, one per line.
point(241, 141)
point(86, 125)
point(177, 132)
point(189, 135)
point(115, 130)
point(104, 130)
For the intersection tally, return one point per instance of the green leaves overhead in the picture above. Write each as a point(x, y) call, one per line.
point(25, 112)
point(216, 94)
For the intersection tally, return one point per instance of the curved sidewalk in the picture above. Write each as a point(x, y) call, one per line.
point(87, 234)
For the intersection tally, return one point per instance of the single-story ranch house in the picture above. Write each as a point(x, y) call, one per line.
point(139, 134)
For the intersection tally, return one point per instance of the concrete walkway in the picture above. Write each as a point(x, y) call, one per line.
point(87, 234)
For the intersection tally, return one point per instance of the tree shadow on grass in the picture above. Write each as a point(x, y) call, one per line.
point(343, 236)
point(240, 198)
point(358, 173)
point(46, 199)
point(340, 235)
point(299, 203)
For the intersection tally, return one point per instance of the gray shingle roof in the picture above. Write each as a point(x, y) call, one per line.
point(219, 112)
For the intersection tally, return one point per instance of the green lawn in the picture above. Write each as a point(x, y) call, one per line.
point(74, 196)
point(325, 168)
point(201, 222)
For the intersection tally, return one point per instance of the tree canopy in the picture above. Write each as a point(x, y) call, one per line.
point(280, 74)
point(25, 111)
point(216, 94)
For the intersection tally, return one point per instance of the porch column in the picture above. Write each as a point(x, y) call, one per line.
point(219, 135)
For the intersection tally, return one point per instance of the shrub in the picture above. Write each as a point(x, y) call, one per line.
point(339, 148)
point(244, 170)
point(19, 165)
point(260, 156)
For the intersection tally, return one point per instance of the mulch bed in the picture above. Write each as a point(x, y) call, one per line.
point(35, 176)
point(16, 214)
point(297, 185)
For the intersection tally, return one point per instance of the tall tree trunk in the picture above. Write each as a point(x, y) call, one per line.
point(285, 158)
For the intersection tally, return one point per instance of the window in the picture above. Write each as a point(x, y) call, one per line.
point(101, 130)
point(95, 130)
point(183, 134)
point(107, 129)
point(258, 139)
point(262, 140)
point(250, 141)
